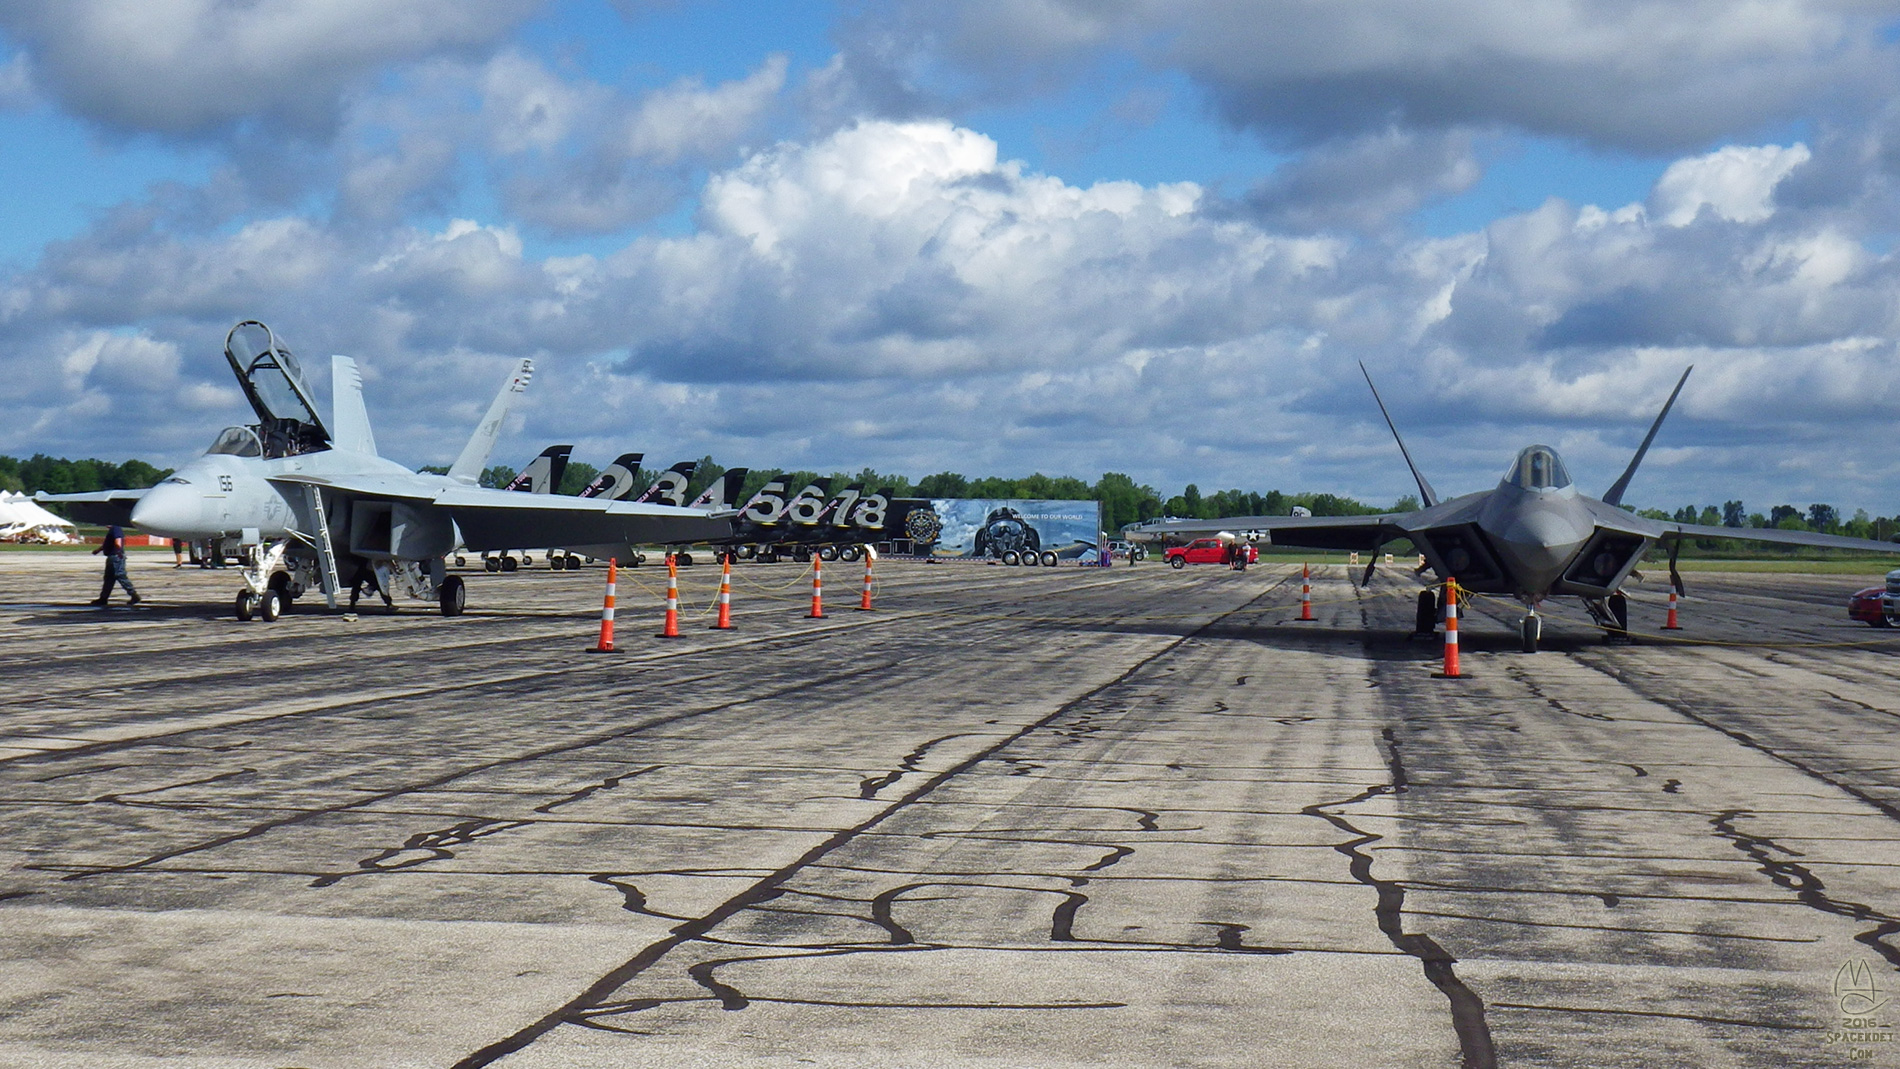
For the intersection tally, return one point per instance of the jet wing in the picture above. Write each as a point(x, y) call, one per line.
point(501, 519)
point(103, 507)
point(497, 519)
point(1675, 532)
point(1364, 533)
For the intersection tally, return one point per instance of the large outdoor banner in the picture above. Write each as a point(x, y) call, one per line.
point(979, 527)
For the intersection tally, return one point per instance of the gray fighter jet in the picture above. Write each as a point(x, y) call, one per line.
point(1534, 536)
point(305, 496)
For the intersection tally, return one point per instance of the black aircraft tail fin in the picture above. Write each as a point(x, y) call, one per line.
point(1615, 494)
point(670, 487)
point(617, 481)
point(1427, 496)
point(720, 494)
point(543, 473)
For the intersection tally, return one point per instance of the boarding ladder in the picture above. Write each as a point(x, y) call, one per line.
point(313, 496)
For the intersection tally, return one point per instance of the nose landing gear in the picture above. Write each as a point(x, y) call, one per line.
point(1531, 629)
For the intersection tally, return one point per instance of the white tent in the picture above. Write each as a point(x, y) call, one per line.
point(23, 519)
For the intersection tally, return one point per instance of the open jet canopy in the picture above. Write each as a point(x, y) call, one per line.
point(1538, 467)
point(273, 382)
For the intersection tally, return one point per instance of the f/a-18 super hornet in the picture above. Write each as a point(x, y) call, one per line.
point(304, 495)
point(1532, 537)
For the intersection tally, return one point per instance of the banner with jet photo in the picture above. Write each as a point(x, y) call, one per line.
point(987, 527)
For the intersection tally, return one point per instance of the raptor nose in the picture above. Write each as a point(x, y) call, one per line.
point(170, 510)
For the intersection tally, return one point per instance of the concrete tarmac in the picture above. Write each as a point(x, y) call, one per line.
point(1012, 817)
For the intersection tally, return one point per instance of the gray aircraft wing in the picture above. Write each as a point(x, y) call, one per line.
point(104, 507)
point(1674, 532)
point(495, 519)
point(501, 519)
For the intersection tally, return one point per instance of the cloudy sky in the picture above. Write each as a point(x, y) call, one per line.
point(988, 236)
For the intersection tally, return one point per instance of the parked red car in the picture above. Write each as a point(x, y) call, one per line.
point(1865, 606)
point(1210, 551)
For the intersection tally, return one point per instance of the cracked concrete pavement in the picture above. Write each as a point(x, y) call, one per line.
point(1014, 817)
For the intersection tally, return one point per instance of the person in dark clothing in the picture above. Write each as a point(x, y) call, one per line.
point(114, 549)
point(366, 575)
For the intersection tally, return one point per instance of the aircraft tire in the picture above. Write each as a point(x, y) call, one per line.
point(1032, 559)
point(461, 561)
point(1426, 622)
point(1530, 629)
point(1177, 563)
point(246, 606)
point(850, 553)
point(509, 564)
point(1049, 558)
point(1011, 558)
point(1619, 607)
point(685, 559)
point(827, 554)
point(270, 606)
point(573, 564)
point(490, 564)
point(454, 596)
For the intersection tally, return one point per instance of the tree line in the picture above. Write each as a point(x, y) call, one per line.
point(1819, 516)
point(57, 475)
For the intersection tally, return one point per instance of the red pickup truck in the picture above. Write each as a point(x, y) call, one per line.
point(1211, 551)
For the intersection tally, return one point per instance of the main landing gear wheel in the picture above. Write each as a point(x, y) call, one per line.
point(1049, 558)
point(491, 564)
point(509, 564)
point(1531, 629)
point(827, 554)
point(454, 596)
point(1030, 560)
point(1619, 607)
point(850, 553)
point(1426, 623)
point(246, 605)
point(1010, 558)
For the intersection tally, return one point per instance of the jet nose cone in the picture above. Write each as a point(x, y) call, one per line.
point(169, 510)
point(1553, 530)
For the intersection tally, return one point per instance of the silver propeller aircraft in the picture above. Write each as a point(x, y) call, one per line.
point(309, 499)
point(1532, 537)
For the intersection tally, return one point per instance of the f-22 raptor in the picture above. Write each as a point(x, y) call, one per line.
point(310, 499)
point(1532, 537)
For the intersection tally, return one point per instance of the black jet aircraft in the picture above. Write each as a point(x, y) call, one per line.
point(1532, 537)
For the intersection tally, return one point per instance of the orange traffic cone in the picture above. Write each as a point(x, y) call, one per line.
point(817, 589)
point(1306, 593)
point(864, 603)
point(672, 628)
point(606, 644)
point(1670, 624)
point(1451, 632)
point(724, 622)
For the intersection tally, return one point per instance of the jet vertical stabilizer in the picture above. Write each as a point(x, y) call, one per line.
point(719, 496)
point(617, 481)
point(543, 474)
point(1615, 494)
point(349, 419)
point(1426, 495)
point(467, 468)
